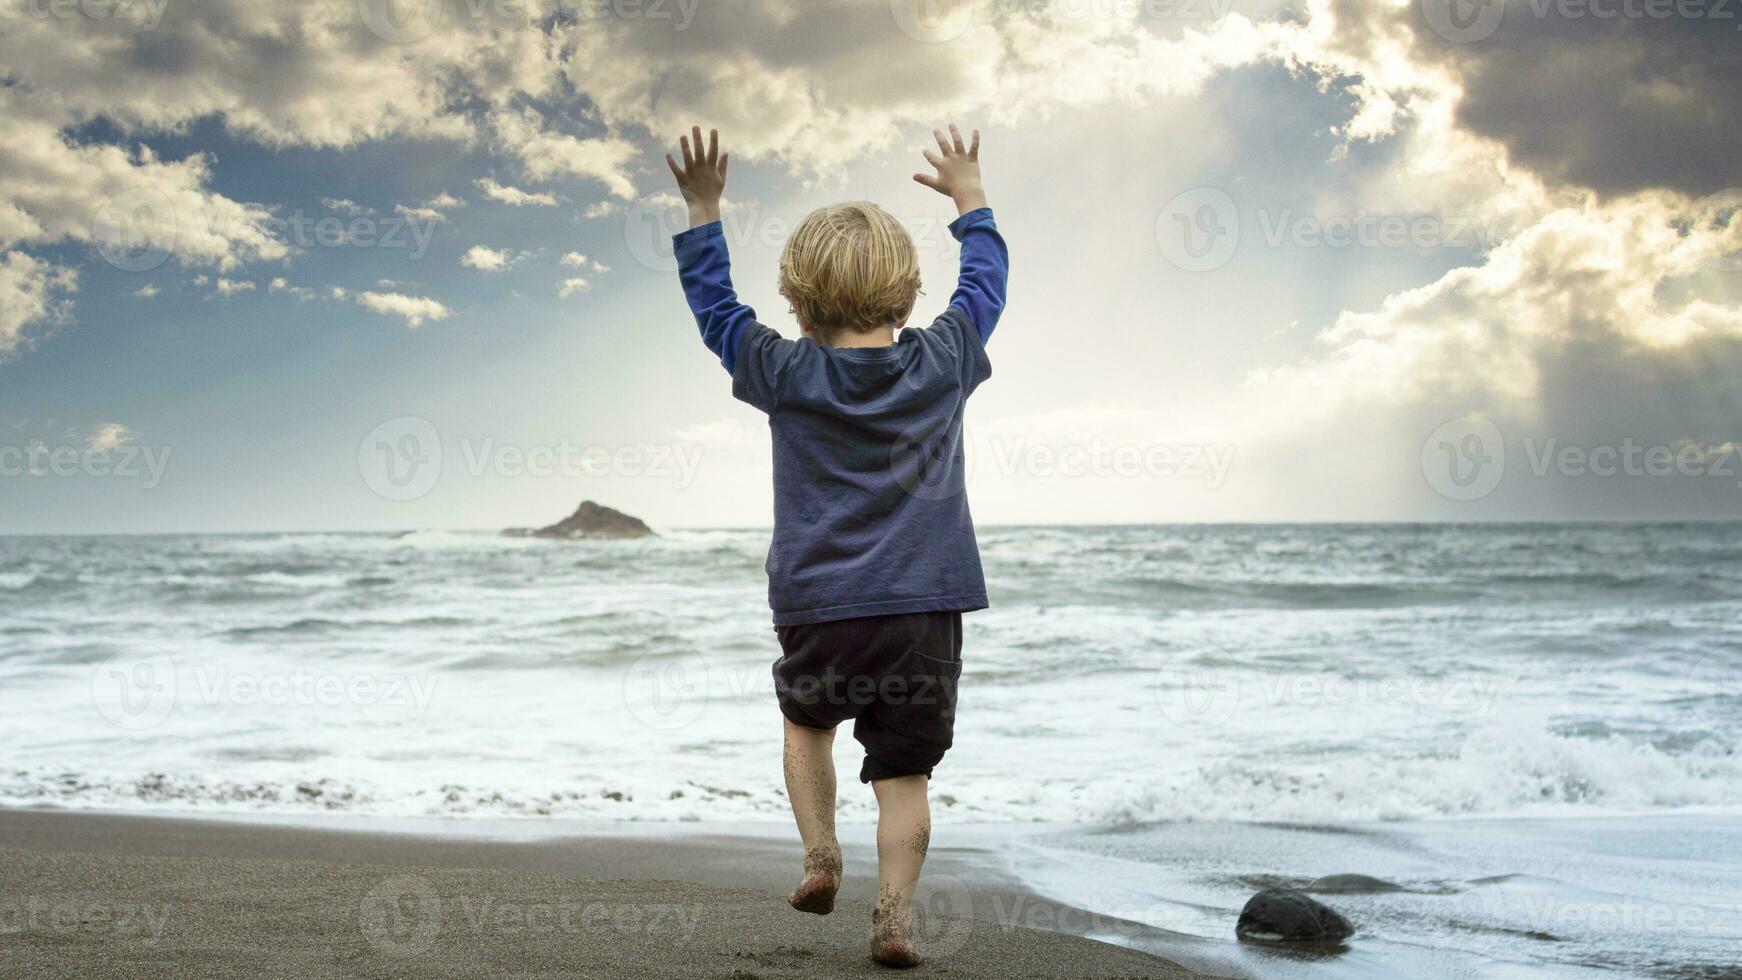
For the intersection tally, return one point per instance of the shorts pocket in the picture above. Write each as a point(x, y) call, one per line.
point(933, 684)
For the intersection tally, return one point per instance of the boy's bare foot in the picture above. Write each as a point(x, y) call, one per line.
point(822, 879)
point(891, 926)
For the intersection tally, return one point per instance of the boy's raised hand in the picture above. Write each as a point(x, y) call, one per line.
point(958, 170)
point(702, 178)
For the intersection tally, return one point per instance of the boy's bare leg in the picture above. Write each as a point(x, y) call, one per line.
point(810, 786)
point(903, 834)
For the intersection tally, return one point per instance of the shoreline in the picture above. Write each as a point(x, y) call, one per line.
point(106, 895)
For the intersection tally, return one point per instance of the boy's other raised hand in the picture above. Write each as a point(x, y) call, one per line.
point(702, 178)
point(958, 168)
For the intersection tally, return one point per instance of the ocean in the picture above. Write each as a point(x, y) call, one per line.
point(1129, 687)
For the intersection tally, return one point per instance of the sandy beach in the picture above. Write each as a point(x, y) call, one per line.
point(87, 895)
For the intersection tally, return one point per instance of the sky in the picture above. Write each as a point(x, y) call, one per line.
point(350, 264)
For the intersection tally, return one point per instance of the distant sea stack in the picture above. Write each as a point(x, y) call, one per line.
point(590, 521)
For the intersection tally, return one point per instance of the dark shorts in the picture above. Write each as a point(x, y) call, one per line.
point(895, 676)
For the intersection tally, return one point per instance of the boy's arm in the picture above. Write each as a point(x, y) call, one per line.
point(704, 266)
point(705, 269)
point(758, 359)
point(980, 290)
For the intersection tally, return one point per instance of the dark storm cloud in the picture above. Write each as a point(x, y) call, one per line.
point(1614, 95)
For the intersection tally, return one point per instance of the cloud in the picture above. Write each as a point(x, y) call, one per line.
point(138, 209)
point(433, 210)
point(514, 195)
point(487, 259)
point(282, 74)
point(1514, 131)
point(564, 97)
point(574, 284)
point(546, 155)
point(575, 260)
point(32, 292)
point(1615, 103)
point(415, 309)
point(1483, 334)
point(820, 85)
point(109, 435)
point(343, 205)
point(302, 293)
point(1585, 317)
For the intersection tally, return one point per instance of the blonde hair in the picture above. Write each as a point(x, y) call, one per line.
point(850, 266)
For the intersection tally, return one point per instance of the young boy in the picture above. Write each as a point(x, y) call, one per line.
point(873, 560)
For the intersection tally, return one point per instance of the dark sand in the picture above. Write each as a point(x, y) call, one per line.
point(86, 895)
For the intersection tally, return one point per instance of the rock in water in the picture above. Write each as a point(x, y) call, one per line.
point(1351, 885)
point(1282, 915)
point(590, 520)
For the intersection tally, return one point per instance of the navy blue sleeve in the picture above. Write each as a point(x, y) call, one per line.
point(985, 274)
point(706, 271)
point(765, 363)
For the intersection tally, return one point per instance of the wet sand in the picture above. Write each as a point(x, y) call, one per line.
point(90, 895)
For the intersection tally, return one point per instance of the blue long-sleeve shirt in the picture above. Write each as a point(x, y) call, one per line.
point(870, 503)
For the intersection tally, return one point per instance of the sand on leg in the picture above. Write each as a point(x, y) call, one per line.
point(903, 835)
point(810, 787)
